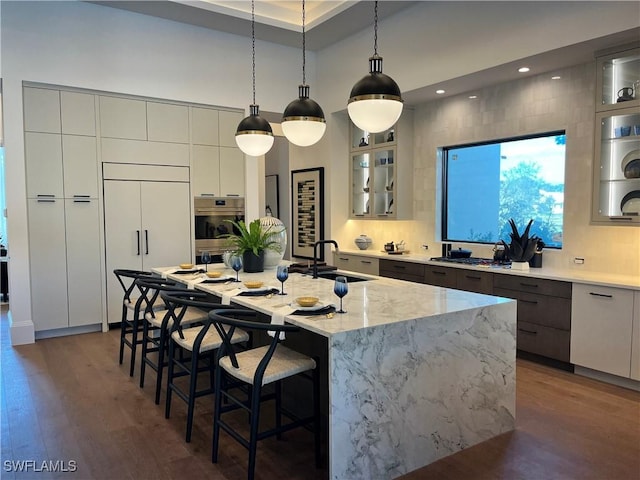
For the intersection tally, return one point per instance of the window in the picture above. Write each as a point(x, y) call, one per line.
point(486, 184)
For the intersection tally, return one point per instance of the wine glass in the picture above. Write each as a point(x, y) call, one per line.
point(206, 259)
point(340, 288)
point(236, 264)
point(282, 273)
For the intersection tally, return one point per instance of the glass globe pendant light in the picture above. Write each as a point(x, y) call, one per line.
point(303, 120)
point(254, 135)
point(375, 103)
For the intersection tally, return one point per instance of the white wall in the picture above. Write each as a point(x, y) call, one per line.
point(89, 46)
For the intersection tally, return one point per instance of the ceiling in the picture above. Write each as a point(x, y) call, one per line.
point(329, 21)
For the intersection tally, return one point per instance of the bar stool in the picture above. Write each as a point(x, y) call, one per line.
point(130, 303)
point(157, 324)
point(256, 368)
point(200, 342)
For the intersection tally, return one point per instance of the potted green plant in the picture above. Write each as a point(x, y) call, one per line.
point(251, 242)
point(522, 247)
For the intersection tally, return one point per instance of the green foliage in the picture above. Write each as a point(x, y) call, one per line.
point(252, 238)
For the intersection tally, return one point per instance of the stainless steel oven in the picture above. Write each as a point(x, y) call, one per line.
point(211, 215)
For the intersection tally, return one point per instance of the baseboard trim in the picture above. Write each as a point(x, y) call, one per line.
point(22, 333)
point(608, 378)
point(62, 332)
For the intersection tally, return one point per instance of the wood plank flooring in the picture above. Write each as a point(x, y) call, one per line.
point(68, 399)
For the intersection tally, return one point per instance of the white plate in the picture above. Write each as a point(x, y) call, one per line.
point(317, 306)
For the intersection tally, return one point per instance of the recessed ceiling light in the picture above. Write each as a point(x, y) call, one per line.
point(556, 77)
point(473, 96)
point(524, 69)
point(440, 92)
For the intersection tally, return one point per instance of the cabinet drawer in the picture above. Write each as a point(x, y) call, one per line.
point(540, 309)
point(356, 263)
point(546, 341)
point(533, 285)
point(412, 272)
point(440, 276)
point(472, 281)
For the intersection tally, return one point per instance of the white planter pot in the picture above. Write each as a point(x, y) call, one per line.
point(520, 266)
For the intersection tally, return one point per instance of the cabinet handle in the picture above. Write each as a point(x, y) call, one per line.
point(473, 277)
point(138, 235)
point(207, 194)
point(46, 200)
point(381, 215)
point(437, 272)
point(344, 259)
point(533, 302)
point(81, 200)
point(365, 261)
point(45, 195)
point(600, 295)
point(82, 196)
point(146, 241)
point(530, 332)
point(233, 195)
point(533, 285)
point(400, 267)
point(359, 215)
point(615, 219)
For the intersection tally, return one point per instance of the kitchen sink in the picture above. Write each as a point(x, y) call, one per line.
point(350, 278)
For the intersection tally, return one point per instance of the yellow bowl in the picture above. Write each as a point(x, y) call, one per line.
point(307, 301)
point(214, 274)
point(253, 284)
point(186, 266)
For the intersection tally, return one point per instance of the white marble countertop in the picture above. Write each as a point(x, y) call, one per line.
point(567, 275)
point(379, 301)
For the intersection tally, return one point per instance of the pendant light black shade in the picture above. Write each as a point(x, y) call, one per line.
point(303, 121)
point(375, 102)
point(254, 135)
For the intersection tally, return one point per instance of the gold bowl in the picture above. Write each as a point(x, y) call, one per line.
point(307, 301)
point(186, 266)
point(253, 284)
point(214, 274)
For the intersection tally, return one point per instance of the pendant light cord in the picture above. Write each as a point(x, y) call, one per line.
point(304, 48)
point(253, 49)
point(375, 29)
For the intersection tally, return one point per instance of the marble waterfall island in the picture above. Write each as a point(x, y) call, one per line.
point(415, 372)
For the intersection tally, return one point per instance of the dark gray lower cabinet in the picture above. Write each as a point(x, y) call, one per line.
point(413, 272)
point(441, 276)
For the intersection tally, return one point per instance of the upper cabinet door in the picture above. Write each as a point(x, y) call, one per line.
point(80, 166)
point(231, 172)
point(123, 118)
point(167, 123)
point(41, 110)
point(228, 125)
point(78, 113)
point(204, 126)
point(206, 171)
point(43, 154)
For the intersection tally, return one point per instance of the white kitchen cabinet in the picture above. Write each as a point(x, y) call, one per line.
point(147, 224)
point(635, 339)
point(167, 122)
point(231, 172)
point(228, 125)
point(84, 274)
point(602, 328)
point(78, 113)
point(356, 263)
point(43, 154)
point(206, 171)
point(80, 166)
point(48, 264)
point(41, 110)
point(123, 118)
point(139, 152)
point(204, 126)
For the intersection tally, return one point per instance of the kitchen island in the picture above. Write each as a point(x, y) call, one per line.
point(415, 372)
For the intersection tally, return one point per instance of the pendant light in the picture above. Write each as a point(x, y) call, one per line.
point(254, 135)
point(375, 103)
point(303, 120)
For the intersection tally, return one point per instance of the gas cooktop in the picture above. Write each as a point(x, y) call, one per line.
point(472, 261)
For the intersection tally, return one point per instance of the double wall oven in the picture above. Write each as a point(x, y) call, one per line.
point(211, 215)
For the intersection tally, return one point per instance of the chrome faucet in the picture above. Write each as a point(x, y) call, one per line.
point(315, 254)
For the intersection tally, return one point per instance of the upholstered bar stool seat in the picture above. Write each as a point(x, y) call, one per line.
point(210, 341)
point(192, 315)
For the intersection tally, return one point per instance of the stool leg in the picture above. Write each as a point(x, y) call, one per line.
point(253, 436)
point(216, 414)
point(193, 380)
point(278, 387)
point(145, 348)
point(161, 352)
point(167, 409)
point(123, 329)
point(134, 343)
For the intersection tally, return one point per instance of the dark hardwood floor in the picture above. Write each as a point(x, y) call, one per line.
point(68, 399)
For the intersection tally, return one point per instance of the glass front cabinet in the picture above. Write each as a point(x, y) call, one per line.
point(616, 175)
point(376, 172)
